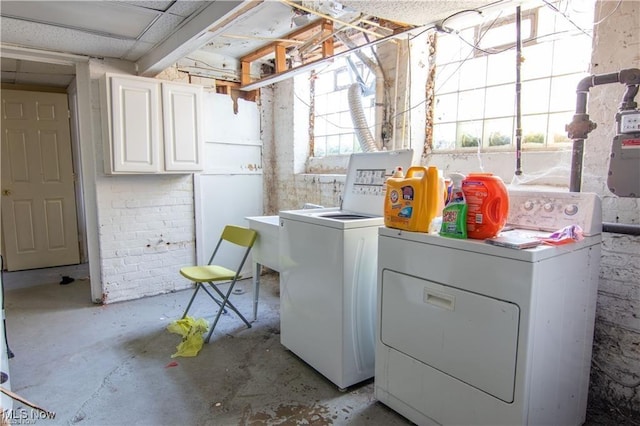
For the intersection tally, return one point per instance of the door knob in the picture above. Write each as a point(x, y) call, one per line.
point(6, 192)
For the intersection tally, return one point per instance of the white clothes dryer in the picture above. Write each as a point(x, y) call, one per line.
point(472, 333)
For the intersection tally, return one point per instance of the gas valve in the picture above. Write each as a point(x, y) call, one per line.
point(580, 127)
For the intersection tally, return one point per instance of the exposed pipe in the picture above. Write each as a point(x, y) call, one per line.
point(518, 171)
point(580, 127)
point(621, 228)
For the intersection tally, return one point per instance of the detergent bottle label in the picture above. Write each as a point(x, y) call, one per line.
point(488, 204)
point(406, 201)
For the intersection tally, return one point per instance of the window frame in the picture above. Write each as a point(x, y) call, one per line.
point(448, 124)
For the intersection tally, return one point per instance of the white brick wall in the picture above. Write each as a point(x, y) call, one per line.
point(146, 234)
point(616, 351)
point(146, 223)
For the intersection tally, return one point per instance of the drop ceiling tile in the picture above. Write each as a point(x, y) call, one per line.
point(58, 39)
point(186, 7)
point(182, 8)
point(137, 51)
point(115, 18)
point(162, 28)
point(416, 12)
point(161, 6)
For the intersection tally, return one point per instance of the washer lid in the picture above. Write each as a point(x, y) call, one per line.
point(367, 174)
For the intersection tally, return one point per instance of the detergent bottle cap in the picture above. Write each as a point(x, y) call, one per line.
point(398, 173)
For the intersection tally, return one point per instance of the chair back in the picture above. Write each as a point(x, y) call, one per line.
point(244, 237)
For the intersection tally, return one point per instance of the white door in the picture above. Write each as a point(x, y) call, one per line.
point(39, 222)
point(230, 188)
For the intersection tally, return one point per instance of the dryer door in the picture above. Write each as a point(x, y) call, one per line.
point(468, 336)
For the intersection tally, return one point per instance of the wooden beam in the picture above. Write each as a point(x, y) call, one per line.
point(281, 58)
point(245, 73)
point(277, 77)
point(304, 33)
point(296, 37)
point(327, 45)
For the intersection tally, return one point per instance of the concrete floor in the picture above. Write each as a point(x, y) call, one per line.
point(110, 365)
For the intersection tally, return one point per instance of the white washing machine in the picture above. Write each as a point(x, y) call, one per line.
point(328, 260)
point(475, 334)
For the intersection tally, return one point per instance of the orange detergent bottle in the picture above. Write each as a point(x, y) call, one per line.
point(487, 203)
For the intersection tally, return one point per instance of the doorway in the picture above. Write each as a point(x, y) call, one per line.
point(39, 221)
point(77, 85)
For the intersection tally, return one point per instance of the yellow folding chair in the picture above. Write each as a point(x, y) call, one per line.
point(215, 274)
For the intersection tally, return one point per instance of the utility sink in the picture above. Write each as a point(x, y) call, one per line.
point(266, 250)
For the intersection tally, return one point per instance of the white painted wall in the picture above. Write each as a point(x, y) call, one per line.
point(616, 46)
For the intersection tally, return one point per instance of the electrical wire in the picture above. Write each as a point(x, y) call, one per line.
point(458, 13)
point(305, 103)
point(476, 47)
point(442, 28)
point(555, 9)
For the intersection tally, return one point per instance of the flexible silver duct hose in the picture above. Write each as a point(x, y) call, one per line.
point(367, 143)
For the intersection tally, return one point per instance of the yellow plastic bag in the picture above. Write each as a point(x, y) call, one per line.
point(191, 331)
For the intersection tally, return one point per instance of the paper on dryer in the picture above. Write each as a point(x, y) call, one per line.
point(514, 241)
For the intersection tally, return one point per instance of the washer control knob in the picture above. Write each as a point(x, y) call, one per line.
point(528, 205)
point(571, 209)
point(548, 207)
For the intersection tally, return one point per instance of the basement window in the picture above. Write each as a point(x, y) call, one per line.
point(332, 130)
point(475, 88)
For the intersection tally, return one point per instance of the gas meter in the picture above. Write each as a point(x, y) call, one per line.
point(624, 166)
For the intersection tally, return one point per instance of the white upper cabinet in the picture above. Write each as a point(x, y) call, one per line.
point(151, 126)
point(181, 107)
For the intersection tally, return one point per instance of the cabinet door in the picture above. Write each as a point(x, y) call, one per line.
point(183, 143)
point(136, 131)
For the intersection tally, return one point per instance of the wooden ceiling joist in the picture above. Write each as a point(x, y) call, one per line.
point(320, 28)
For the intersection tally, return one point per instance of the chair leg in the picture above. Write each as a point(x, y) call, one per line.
point(228, 303)
point(225, 302)
point(213, 326)
point(256, 289)
point(215, 299)
point(198, 285)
